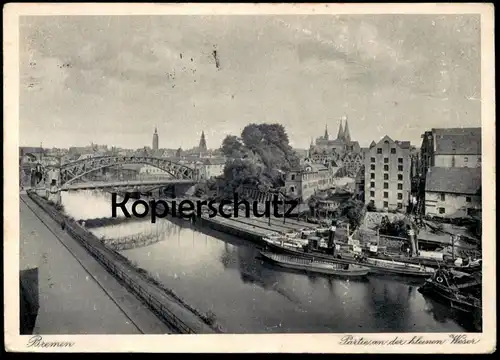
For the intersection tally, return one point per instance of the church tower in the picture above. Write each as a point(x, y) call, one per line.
point(326, 133)
point(155, 140)
point(340, 134)
point(203, 144)
point(347, 136)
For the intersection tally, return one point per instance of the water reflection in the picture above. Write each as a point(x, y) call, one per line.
point(443, 314)
point(90, 204)
point(223, 274)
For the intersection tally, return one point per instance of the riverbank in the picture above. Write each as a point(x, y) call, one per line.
point(161, 300)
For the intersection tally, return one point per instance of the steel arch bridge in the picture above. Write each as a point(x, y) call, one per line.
point(74, 170)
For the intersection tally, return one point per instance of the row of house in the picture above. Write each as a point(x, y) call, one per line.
point(442, 179)
point(451, 172)
point(208, 167)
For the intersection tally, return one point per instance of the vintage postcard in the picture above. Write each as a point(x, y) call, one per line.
point(249, 178)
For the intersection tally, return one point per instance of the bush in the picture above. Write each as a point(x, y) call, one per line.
point(371, 207)
point(210, 318)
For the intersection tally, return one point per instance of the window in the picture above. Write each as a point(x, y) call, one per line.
point(393, 150)
point(443, 197)
point(386, 160)
point(372, 184)
point(292, 189)
point(379, 151)
point(441, 210)
point(386, 204)
point(386, 176)
point(400, 196)
point(372, 159)
point(386, 185)
point(400, 177)
point(372, 167)
point(372, 176)
point(386, 167)
point(400, 186)
point(468, 199)
point(466, 159)
point(400, 206)
point(372, 193)
point(293, 177)
point(400, 167)
point(400, 160)
point(386, 195)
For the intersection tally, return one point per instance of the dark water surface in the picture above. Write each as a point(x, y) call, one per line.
point(222, 274)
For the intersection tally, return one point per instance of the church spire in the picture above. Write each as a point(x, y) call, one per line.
point(203, 144)
point(326, 132)
point(340, 134)
point(347, 136)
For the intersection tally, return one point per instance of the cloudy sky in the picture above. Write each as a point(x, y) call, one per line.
point(112, 79)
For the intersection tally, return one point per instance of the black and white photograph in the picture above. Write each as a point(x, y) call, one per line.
point(251, 173)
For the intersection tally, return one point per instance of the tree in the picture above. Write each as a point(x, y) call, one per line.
point(261, 156)
point(232, 147)
point(353, 210)
point(371, 207)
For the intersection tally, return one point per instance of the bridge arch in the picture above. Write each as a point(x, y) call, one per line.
point(74, 170)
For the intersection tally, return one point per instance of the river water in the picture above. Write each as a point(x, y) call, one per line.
point(222, 274)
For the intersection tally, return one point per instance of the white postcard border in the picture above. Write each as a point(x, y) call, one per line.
point(293, 343)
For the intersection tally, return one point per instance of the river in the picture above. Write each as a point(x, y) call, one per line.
point(218, 273)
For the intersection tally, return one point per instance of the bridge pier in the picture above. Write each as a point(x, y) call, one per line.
point(50, 188)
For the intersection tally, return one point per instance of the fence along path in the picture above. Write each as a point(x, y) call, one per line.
point(166, 307)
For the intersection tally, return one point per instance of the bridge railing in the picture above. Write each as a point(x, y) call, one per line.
point(110, 262)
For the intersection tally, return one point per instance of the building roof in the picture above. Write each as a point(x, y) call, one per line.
point(454, 180)
point(403, 144)
point(214, 161)
point(317, 167)
point(460, 141)
point(30, 149)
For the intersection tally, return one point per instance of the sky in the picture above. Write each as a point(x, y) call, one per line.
point(113, 79)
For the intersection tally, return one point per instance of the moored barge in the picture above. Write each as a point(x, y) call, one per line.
point(315, 265)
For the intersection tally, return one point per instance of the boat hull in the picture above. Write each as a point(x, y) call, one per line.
point(441, 292)
point(399, 272)
point(374, 269)
point(289, 263)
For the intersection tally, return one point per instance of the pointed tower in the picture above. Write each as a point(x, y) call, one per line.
point(340, 134)
point(347, 136)
point(155, 140)
point(203, 144)
point(311, 146)
point(326, 132)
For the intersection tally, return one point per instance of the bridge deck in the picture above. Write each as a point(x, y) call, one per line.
point(129, 183)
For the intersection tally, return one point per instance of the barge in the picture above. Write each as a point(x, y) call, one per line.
point(318, 266)
point(375, 265)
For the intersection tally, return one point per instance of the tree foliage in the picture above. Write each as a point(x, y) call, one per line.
point(353, 210)
point(260, 156)
point(397, 227)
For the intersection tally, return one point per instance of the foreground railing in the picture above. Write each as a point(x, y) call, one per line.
point(109, 261)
